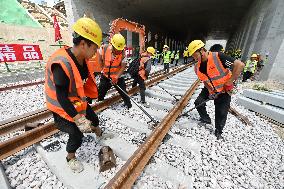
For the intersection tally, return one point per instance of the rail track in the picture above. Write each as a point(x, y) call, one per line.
point(37, 134)
point(19, 122)
point(18, 86)
point(133, 139)
point(7, 88)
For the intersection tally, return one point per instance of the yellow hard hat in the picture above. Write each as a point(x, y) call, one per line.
point(194, 46)
point(254, 56)
point(151, 50)
point(165, 46)
point(118, 41)
point(89, 29)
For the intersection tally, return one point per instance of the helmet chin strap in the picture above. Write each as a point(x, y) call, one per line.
point(200, 55)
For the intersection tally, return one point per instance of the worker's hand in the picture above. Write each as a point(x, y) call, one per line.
point(229, 82)
point(83, 123)
point(229, 88)
point(114, 80)
point(97, 130)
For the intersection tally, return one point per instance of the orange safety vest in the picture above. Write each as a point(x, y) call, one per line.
point(143, 60)
point(216, 72)
point(95, 61)
point(78, 91)
point(111, 65)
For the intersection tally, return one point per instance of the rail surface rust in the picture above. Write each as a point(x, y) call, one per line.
point(131, 170)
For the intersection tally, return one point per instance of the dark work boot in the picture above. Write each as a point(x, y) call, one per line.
point(218, 135)
point(142, 95)
point(146, 104)
point(205, 120)
point(127, 106)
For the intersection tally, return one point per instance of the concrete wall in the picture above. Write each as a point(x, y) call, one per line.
point(262, 31)
point(76, 9)
point(104, 13)
point(44, 37)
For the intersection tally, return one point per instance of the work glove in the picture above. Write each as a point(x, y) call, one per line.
point(83, 124)
point(97, 131)
point(229, 89)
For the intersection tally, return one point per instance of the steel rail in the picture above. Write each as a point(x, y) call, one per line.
point(131, 170)
point(15, 144)
point(19, 122)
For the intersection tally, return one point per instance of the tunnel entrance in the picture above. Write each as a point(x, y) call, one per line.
point(254, 26)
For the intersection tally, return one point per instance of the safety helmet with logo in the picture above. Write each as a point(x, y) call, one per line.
point(254, 56)
point(194, 46)
point(118, 41)
point(165, 46)
point(151, 50)
point(89, 29)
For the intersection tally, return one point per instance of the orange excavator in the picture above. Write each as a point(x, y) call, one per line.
point(117, 26)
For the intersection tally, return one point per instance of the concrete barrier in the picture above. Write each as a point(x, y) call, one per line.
point(272, 112)
point(266, 97)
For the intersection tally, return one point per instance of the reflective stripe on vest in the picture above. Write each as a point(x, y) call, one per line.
point(250, 66)
point(112, 66)
point(56, 103)
point(221, 74)
point(73, 92)
point(166, 57)
point(76, 91)
point(142, 71)
point(72, 80)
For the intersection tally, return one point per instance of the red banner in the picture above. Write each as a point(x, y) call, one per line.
point(128, 51)
point(19, 52)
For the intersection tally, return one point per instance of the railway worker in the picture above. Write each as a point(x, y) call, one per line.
point(260, 63)
point(156, 58)
point(250, 67)
point(144, 71)
point(166, 55)
point(69, 81)
point(213, 69)
point(177, 57)
point(172, 57)
point(113, 62)
point(185, 56)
